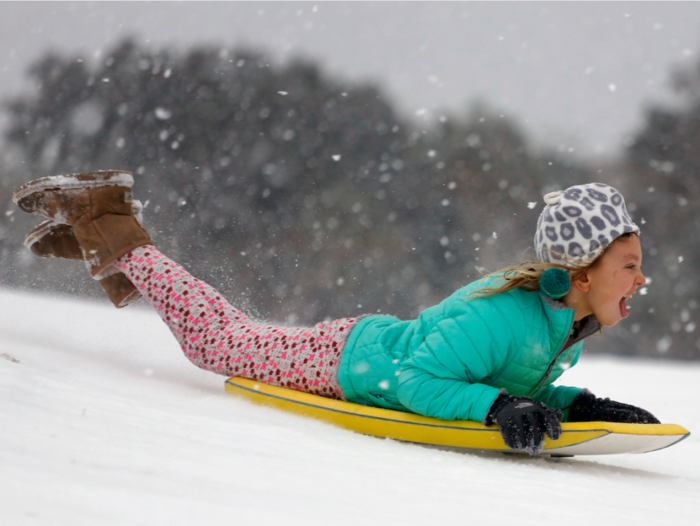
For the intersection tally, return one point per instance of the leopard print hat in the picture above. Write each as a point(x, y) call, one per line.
point(577, 224)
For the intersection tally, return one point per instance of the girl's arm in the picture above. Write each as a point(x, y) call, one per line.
point(441, 378)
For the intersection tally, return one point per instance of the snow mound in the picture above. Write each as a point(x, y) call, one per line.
point(104, 421)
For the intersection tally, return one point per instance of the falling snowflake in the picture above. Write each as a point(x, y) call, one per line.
point(163, 113)
point(664, 344)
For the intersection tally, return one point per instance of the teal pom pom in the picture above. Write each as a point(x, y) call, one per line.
point(555, 282)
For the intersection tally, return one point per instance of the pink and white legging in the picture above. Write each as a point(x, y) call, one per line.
point(219, 338)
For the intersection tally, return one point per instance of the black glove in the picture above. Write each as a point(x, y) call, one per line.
point(587, 408)
point(524, 422)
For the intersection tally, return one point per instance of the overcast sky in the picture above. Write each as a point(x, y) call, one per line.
point(576, 74)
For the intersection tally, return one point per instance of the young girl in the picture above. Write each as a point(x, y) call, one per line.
point(490, 352)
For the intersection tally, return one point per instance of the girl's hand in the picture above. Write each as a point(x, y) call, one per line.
point(523, 422)
point(587, 408)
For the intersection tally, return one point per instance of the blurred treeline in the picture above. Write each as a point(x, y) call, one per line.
point(303, 197)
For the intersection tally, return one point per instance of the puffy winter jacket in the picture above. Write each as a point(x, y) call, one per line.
point(453, 360)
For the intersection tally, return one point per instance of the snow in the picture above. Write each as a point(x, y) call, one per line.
point(103, 421)
point(163, 113)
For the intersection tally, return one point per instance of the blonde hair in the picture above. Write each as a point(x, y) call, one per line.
point(527, 275)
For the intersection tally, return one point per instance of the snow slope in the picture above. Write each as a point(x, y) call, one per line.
point(103, 421)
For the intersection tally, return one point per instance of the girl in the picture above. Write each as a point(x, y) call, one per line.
point(490, 352)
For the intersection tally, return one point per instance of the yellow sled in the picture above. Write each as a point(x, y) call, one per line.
point(581, 438)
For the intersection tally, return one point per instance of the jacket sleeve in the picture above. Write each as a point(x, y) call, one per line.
point(441, 378)
point(560, 396)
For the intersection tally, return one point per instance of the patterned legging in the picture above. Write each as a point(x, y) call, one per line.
point(219, 338)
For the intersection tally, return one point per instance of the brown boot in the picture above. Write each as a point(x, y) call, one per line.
point(120, 290)
point(98, 207)
point(53, 240)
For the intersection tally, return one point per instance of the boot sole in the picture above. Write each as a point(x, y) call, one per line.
point(40, 231)
point(22, 195)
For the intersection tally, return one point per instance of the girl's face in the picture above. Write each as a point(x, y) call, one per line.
point(607, 286)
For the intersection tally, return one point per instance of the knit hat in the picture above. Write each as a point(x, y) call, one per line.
point(580, 222)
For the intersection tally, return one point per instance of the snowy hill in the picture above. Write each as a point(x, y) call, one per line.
point(103, 421)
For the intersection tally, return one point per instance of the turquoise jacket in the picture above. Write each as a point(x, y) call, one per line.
point(454, 360)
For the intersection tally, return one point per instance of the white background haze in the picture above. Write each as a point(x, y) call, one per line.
point(574, 74)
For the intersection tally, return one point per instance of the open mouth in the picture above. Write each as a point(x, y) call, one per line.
point(624, 308)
